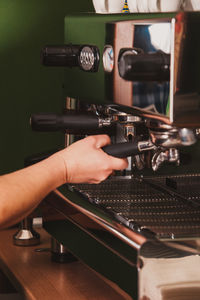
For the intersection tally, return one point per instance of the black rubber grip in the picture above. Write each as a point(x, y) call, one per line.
point(144, 66)
point(47, 122)
point(122, 150)
point(60, 56)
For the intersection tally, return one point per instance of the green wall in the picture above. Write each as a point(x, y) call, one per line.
point(25, 85)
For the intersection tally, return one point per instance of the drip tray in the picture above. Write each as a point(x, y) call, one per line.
point(166, 206)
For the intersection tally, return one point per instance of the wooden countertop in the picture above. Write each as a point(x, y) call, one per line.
point(36, 277)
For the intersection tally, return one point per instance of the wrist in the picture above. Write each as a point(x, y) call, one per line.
point(57, 168)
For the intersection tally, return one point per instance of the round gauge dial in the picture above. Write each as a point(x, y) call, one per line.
point(108, 59)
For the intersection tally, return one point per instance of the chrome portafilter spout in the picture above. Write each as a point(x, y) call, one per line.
point(168, 155)
point(168, 139)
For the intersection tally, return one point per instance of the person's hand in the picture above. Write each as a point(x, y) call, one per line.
point(86, 162)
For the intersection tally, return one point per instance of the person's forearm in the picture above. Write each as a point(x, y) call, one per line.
point(21, 191)
point(82, 162)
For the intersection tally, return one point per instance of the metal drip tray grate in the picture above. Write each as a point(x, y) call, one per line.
point(167, 210)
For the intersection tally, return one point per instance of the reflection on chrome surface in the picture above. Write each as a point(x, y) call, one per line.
point(152, 96)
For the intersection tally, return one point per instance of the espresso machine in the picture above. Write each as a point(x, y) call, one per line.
point(135, 77)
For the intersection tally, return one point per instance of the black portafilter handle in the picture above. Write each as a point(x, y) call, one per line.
point(122, 150)
point(135, 65)
point(69, 122)
point(60, 55)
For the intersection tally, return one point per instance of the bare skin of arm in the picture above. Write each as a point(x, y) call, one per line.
point(83, 161)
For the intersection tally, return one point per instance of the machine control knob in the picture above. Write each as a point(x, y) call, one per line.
point(89, 58)
point(135, 65)
point(60, 56)
point(86, 57)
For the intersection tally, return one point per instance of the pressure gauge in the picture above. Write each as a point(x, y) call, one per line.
point(108, 59)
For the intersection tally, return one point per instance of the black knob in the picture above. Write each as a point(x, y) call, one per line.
point(139, 66)
point(60, 56)
point(86, 57)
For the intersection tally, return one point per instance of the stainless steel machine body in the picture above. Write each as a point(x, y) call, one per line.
point(137, 78)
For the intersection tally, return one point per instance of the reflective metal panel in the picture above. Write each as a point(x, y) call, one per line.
point(174, 100)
